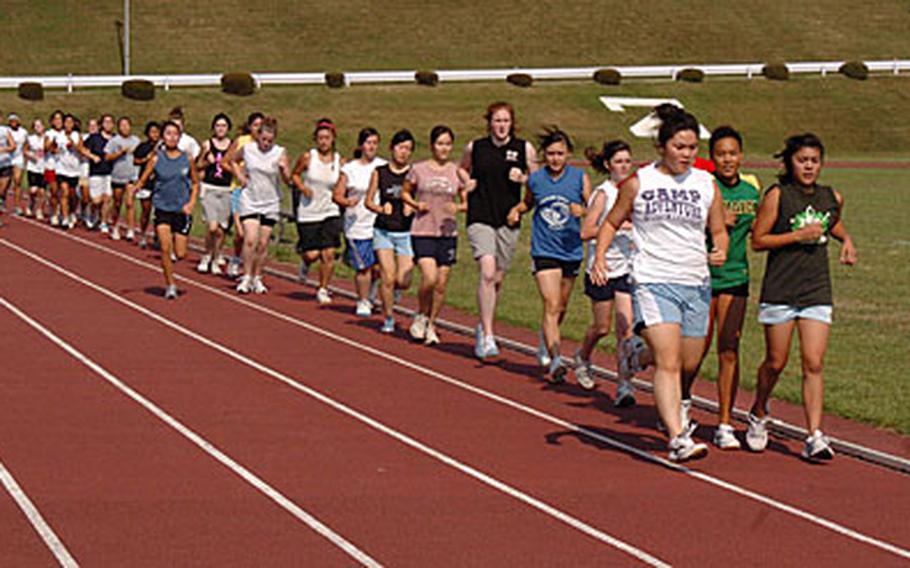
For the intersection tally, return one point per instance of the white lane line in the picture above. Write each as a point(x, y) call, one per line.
point(357, 415)
point(47, 534)
point(209, 448)
point(715, 481)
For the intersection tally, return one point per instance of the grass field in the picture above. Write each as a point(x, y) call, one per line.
point(69, 36)
point(867, 360)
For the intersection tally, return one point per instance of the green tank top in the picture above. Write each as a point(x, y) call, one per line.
point(742, 200)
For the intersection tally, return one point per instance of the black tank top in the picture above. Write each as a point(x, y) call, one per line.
point(389, 189)
point(797, 275)
point(495, 195)
point(214, 173)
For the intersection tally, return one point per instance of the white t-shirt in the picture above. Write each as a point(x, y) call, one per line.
point(669, 216)
point(6, 158)
point(619, 254)
point(50, 157)
point(68, 159)
point(358, 220)
point(19, 137)
point(188, 145)
point(262, 194)
point(36, 148)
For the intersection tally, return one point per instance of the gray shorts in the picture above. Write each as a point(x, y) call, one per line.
point(216, 204)
point(497, 242)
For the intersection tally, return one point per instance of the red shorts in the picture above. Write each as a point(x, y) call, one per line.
point(50, 176)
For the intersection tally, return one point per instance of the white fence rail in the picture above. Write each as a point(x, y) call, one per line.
point(748, 70)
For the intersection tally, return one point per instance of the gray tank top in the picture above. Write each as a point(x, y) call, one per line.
point(262, 193)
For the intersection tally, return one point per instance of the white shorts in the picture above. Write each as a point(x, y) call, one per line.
point(99, 186)
point(19, 162)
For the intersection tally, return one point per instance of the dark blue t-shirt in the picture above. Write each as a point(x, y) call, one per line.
point(95, 144)
point(555, 232)
point(172, 182)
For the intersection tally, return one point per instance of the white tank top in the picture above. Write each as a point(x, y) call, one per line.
point(262, 193)
point(669, 216)
point(320, 178)
point(619, 254)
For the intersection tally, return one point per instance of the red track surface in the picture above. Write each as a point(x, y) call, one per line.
point(120, 487)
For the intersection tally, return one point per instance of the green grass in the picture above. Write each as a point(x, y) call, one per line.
point(271, 35)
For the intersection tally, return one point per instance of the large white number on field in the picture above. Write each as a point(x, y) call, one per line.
point(647, 126)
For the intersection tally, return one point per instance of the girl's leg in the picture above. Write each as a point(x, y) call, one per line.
point(262, 249)
point(599, 328)
point(565, 292)
point(777, 349)
point(326, 266)
point(180, 246)
point(731, 312)
point(439, 292)
point(362, 280)
point(623, 313)
point(489, 285)
point(688, 378)
point(145, 216)
point(665, 342)
point(429, 273)
point(250, 240)
point(64, 200)
point(166, 240)
point(405, 271)
point(17, 189)
point(813, 342)
point(386, 259)
point(549, 284)
point(130, 209)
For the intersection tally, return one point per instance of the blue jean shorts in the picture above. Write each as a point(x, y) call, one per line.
point(774, 314)
point(360, 253)
point(399, 241)
point(685, 305)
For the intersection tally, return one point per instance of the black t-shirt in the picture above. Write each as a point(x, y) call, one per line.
point(389, 189)
point(495, 195)
point(142, 151)
point(95, 144)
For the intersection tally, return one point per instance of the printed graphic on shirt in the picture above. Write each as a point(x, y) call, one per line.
point(809, 216)
point(741, 207)
point(555, 211)
point(672, 204)
point(511, 155)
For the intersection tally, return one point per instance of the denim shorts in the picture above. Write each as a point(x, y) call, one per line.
point(774, 314)
point(685, 305)
point(399, 241)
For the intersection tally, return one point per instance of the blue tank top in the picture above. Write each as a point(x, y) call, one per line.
point(555, 232)
point(172, 182)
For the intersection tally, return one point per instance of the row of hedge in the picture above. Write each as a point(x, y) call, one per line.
point(244, 85)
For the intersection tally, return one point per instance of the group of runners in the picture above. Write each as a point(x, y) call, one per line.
point(667, 242)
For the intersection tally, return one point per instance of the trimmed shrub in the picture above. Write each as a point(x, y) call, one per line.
point(138, 89)
point(520, 79)
point(240, 84)
point(427, 78)
point(31, 91)
point(607, 76)
point(855, 70)
point(776, 71)
point(334, 79)
point(691, 75)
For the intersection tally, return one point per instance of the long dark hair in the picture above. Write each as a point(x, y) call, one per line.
point(792, 145)
point(673, 120)
point(362, 137)
point(600, 159)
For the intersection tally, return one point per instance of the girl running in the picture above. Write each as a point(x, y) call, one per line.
point(248, 132)
point(7, 149)
point(69, 144)
point(216, 192)
point(557, 193)
point(500, 164)
point(670, 204)
point(83, 197)
point(614, 159)
point(730, 282)
point(99, 175)
point(265, 164)
point(35, 166)
point(436, 189)
point(392, 228)
point(795, 218)
point(176, 188)
point(141, 157)
point(52, 151)
point(350, 193)
point(318, 216)
point(123, 176)
point(20, 137)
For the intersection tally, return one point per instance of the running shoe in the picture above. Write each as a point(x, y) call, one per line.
point(259, 286)
point(757, 434)
point(204, 263)
point(363, 309)
point(303, 271)
point(625, 394)
point(143, 242)
point(245, 286)
point(431, 338)
point(725, 437)
point(220, 261)
point(682, 448)
point(170, 293)
point(323, 297)
point(479, 350)
point(115, 233)
point(583, 372)
point(396, 296)
point(105, 230)
point(174, 256)
point(28, 211)
point(418, 328)
point(215, 270)
point(629, 355)
point(373, 296)
point(817, 448)
point(54, 221)
point(130, 235)
point(17, 212)
point(490, 347)
point(71, 222)
point(233, 270)
point(39, 215)
point(543, 352)
point(90, 224)
point(388, 325)
point(557, 371)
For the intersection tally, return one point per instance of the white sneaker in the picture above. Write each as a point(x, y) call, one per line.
point(625, 394)
point(71, 222)
point(215, 270)
point(170, 293)
point(388, 325)
point(479, 351)
point(220, 261)
point(418, 329)
point(303, 271)
point(130, 235)
point(115, 233)
point(28, 211)
point(322, 297)
point(54, 221)
point(143, 242)
point(105, 230)
point(89, 223)
point(583, 372)
point(757, 434)
point(543, 352)
point(39, 215)
point(363, 309)
point(557, 371)
point(258, 286)
point(431, 338)
point(233, 270)
point(817, 448)
point(682, 448)
point(725, 437)
point(246, 285)
point(490, 347)
point(204, 263)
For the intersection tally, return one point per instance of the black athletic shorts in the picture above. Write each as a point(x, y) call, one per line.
point(319, 235)
point(179, 222)
point(118, 185)
point(6, 171)
point(36, 180)
point(441, 249)
point(740, 291)
point(570, 268)
point(606, 293)
point(71, 181)
point(263, 219)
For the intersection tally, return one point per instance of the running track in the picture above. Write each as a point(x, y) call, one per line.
point(263, 430)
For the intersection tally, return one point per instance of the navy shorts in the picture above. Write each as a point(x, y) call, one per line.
point(606, 293)
point(740, 291)
point(441, 249)
point(569, 268)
